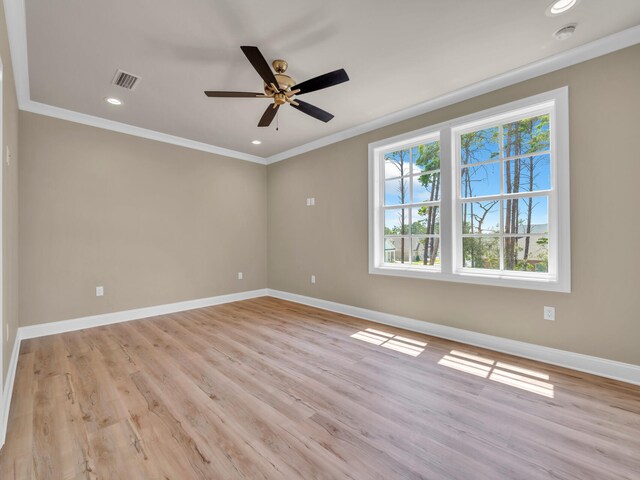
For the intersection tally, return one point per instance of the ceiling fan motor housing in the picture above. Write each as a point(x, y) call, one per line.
point(285, 82)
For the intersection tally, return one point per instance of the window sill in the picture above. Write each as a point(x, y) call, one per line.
point(497, 280)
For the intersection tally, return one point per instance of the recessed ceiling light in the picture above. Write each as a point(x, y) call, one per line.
point(565, 32)
point(113, 101)
point(561, 6)
point(256, 142)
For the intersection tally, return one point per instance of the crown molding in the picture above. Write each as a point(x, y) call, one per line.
point(588, 51)
point(77, 117)
point(17, 31)
point(16, 18)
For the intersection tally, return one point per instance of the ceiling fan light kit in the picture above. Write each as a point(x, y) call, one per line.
point(282, 89)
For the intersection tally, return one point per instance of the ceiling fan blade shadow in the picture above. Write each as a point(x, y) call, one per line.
point(323, 81)
point(312, 110)
point(268, 115)
point(211, 93)
point(260, 64)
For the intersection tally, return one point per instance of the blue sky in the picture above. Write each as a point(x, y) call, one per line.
point(485, 179)
point(485, 144)
point(539, 214)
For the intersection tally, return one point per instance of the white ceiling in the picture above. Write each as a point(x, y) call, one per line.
point(397, 54)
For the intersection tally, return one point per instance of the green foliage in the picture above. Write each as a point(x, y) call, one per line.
point(527, 136)
point(429, 160)
point(397, 230)
point(482, 144)
point(481, 252)
point(524, 138)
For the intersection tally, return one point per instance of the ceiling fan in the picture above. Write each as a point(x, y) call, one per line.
point(283, 89)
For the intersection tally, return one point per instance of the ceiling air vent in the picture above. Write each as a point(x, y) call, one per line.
point(126, 80)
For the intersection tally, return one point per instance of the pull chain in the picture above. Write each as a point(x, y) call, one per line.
point(277, 121)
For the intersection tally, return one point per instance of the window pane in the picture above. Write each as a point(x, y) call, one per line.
point(479, 146)
point(396, 221)
point(397, 250)
point(529, 253)
point(426, 187)
point(526, 136)
point(396, 191)
point(528, 174)
point(426, 157)
point(481, 217)
point(526, 215)
point(432, 247)
point(480, 180)
point(397, 163)
point(481, 252)
point(425, 220)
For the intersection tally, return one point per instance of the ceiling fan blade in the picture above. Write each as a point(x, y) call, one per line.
point(268, 115)
point(312, 110)
point(323, 81)
point(260, 64)
point(210, 93)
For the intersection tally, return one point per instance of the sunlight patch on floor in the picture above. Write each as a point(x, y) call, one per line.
point(505, 373)
point(397, 343)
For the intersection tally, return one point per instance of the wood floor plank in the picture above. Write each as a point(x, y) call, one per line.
point(268, 389)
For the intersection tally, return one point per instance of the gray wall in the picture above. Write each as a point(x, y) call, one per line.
point(9, 198)
point(156, 223)
point(151, 222)
point(600, 317)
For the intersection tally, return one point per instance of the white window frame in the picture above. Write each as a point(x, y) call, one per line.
point(558, 279)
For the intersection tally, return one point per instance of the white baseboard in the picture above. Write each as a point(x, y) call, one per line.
point(44, 329)
point(7, 392)
point(598, 366)
point(624, 372)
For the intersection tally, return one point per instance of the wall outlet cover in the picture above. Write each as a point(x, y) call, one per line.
point(549, 313)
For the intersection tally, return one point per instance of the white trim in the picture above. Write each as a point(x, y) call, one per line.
point(16, 18)
point(624, 372)
point(81, 323)
point(559, 277)
point(8, 389)
point(588, 51)
point(57, 112)
point(17, 32)
point(584, 363)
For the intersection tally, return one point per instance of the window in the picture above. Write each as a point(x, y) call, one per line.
point(412, 204)
point(479, 199)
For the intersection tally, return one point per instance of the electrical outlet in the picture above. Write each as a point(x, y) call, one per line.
point(311, 201)
point(99, 291)
point(313, 279)
point(549, 313)
point(239, 275)
point(8, 156)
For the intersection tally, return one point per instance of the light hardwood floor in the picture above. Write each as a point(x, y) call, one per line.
point(270, 389)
